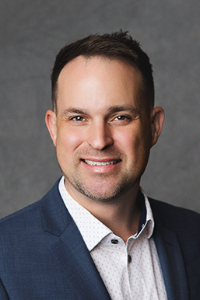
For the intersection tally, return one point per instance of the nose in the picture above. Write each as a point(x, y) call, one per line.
point(100, 136)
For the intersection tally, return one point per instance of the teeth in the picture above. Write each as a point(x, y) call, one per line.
point(97, 163)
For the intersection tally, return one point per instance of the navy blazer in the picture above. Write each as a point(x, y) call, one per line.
point(43, 255)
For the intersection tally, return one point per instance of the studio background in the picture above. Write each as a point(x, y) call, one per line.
point(32, 32)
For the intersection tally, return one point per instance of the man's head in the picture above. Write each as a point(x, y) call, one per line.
point(118, 45)
point(102, 126)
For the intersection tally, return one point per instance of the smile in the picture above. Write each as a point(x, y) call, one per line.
point(98, 163)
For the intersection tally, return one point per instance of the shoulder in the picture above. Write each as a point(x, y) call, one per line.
point(171, 209)
point(175, 217)
point(28, 216)
point(21, 219)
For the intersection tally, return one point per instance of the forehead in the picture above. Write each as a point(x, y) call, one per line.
point(98, 80)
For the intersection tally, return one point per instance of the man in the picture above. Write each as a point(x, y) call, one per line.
point(96, 235)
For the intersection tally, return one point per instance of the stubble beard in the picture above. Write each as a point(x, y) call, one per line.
point(99, 192)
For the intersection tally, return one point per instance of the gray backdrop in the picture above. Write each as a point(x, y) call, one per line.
point(32, 32)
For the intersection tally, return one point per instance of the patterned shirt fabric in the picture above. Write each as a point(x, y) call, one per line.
point(131, 270)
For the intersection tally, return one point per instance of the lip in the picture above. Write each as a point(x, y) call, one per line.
point(100, 159)
point(94, 164)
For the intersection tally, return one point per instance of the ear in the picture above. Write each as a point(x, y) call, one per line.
point(50, 119)
point(157, 119)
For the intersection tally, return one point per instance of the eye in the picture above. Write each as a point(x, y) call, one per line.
point(78, 119)
point(122, 118)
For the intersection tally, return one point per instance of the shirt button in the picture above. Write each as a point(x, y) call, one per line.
point(129, 258)
point(114, 241)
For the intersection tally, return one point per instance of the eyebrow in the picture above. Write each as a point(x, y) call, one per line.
point(75, 110)
point(118, 108)
point(111, 110)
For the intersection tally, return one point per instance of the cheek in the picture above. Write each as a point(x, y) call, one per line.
point(128, 140)
point(134, 145)
point(69, 139)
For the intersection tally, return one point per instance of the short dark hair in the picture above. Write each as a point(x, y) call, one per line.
point(117, 45)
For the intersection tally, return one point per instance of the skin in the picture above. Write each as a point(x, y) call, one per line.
point(103, 135)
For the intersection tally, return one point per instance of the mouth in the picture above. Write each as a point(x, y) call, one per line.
point(100, 163)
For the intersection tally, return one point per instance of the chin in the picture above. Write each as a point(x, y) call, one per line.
point(102, 188)
point(102, 193)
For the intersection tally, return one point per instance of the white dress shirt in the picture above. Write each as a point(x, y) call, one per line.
point(129, 270)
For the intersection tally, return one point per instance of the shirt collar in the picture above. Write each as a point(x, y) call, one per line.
point(146, 219)
point(91, 229)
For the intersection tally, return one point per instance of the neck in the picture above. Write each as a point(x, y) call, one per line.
point(121, 215)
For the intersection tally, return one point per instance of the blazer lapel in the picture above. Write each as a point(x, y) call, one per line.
point(70, 251)
point(171, 260)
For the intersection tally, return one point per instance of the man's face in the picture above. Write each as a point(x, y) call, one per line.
point(101, 130)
